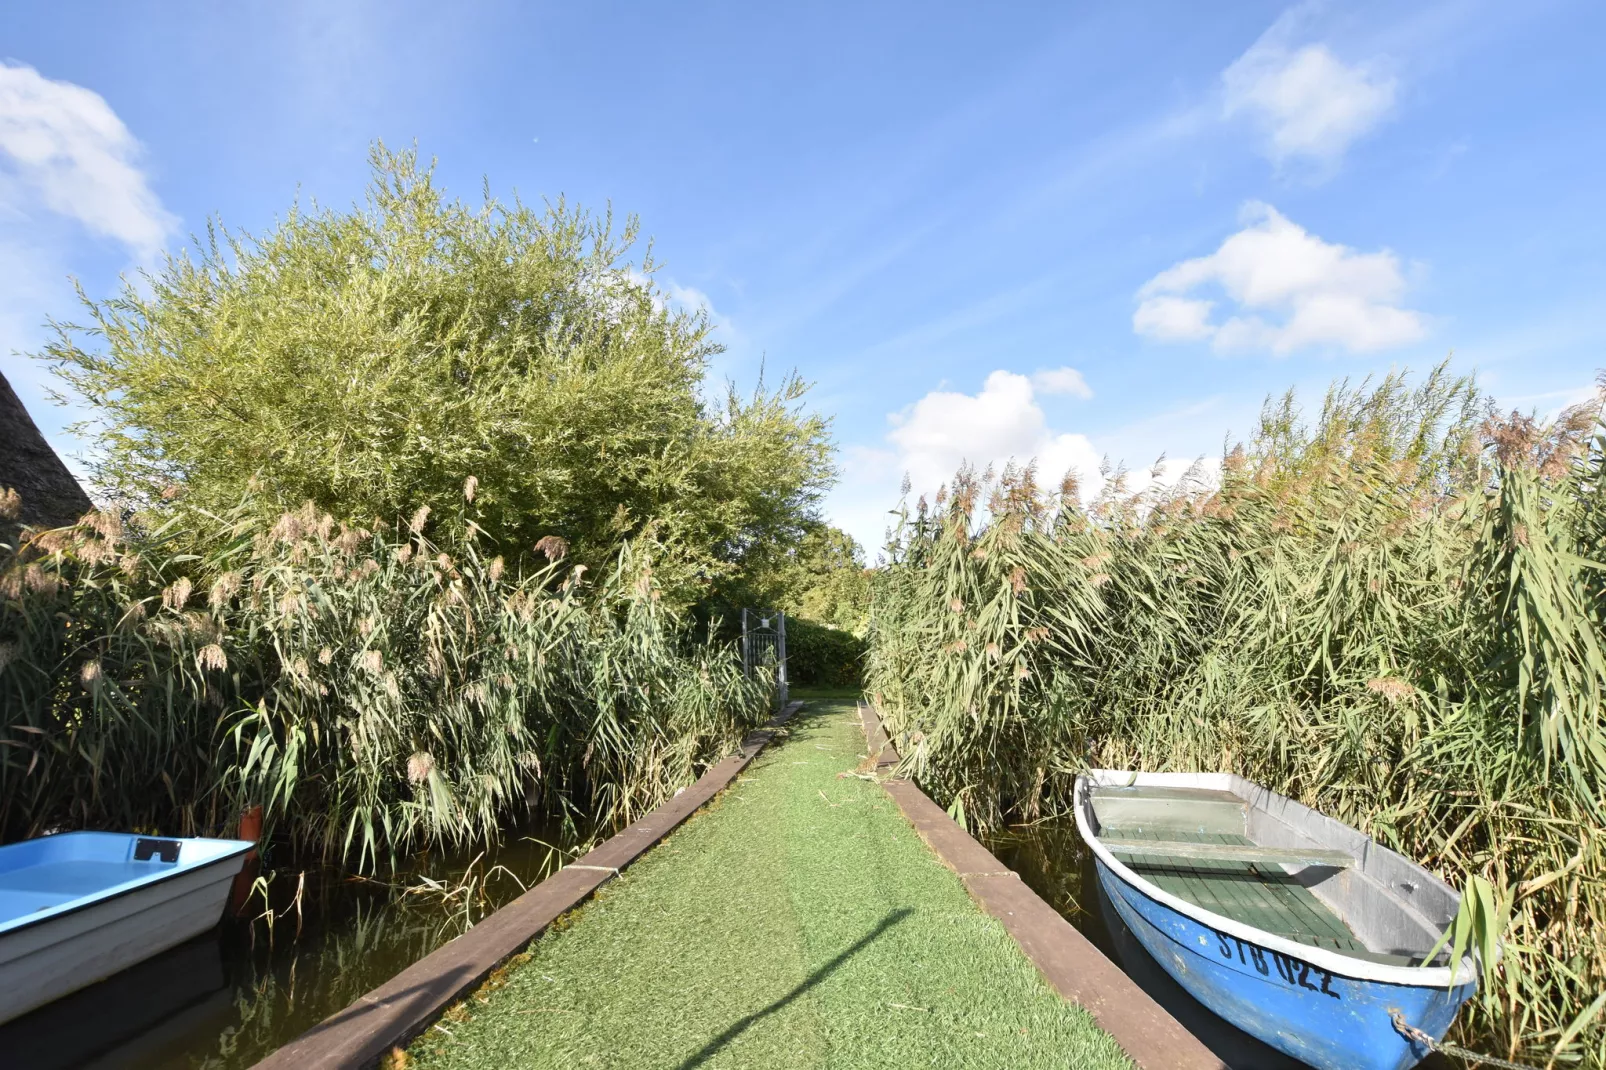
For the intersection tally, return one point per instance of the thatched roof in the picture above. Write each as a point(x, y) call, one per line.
point(51, 497)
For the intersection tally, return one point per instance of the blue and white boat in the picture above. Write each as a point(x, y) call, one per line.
point(1290, 925)
point(77, 907)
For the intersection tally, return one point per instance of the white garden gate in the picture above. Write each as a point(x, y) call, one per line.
point(764, 646)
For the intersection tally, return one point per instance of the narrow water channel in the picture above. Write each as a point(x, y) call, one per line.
point(1054, 862)
point(225, 1000)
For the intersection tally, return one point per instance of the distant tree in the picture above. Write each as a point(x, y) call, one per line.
point(836, 590)
point(507, 367)
point(820, 577)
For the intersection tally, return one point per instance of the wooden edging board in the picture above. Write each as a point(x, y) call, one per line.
point(399, 1010)
point(1076, 969)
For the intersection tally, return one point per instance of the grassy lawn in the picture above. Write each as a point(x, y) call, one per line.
point(797, 922)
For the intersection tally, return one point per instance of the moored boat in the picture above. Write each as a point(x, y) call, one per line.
point(77, 907)
point(1292, 926)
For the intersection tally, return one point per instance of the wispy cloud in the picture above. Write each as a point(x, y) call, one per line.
point(1306, 101)
point(67, 161)
point(965, 318)
point(668, 294)
point(1062, 381)
point(1291, 289)
point(694, 300)
point(64, 148)
point(1550, 403)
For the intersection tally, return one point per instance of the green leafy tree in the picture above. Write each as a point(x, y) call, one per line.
point(820, 577)
point(507, 367)
point(835, 587)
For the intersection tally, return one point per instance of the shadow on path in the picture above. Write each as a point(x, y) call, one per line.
point(713, 1046)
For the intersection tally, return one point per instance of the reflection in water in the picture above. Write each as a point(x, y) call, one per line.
point(140, 1007)
point(225, 1000)
point(1053, 861)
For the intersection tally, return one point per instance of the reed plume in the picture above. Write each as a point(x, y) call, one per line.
point(376, 699)
point(1395, 614)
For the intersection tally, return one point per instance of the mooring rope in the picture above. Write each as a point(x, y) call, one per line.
point(1412, 1033)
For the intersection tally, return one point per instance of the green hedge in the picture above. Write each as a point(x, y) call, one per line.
point(820, 656)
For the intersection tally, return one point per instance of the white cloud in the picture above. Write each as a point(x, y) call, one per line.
point(694, 300)
point(1306, 101)
point(1174, 319)
point(668, 294)
point(33, 286)
point(64, 154)
point(1319, 293)
point(64, 146)
point(929, 440)
point(1062, 381)
point(944, 429)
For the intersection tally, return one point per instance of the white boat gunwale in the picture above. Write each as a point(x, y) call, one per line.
point(117, 891)
point(1332, 961)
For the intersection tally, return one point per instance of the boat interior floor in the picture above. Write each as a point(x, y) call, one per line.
point(1263, 896)
point(46, 884)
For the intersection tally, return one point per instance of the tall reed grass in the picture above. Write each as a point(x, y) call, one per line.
point(376, 692)
point(1394, 614)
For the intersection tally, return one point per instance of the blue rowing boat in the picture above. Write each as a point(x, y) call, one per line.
point(77, 907)
point(1290, 925)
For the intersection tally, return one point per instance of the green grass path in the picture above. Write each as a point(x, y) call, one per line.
point(798, 921)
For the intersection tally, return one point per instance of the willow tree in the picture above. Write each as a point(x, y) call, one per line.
point(381, 359)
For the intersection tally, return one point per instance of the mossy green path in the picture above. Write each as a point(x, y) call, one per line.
point(798, 922)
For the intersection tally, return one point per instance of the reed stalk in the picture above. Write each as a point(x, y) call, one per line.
point(1393, 615)
point(377, 693)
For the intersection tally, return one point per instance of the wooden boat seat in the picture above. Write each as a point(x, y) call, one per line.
point(1159, 791)
point(1203, 809)
point(1252, 890)
point(1232, 852)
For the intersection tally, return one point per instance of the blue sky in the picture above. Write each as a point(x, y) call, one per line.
point(982, 231)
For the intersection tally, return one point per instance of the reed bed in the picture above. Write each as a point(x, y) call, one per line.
point(377, 693)
point(1394, 614)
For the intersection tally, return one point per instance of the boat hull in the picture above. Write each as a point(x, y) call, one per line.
point(1327, 1020)
point(63, 953)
